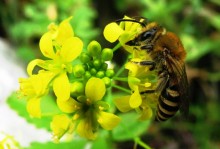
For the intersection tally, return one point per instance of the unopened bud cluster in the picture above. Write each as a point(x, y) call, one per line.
point(94, 63)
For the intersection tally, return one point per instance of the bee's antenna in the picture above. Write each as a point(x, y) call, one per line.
point(130, 20)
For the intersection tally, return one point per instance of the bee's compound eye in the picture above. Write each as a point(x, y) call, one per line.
point(147, 34)
point(131, 43)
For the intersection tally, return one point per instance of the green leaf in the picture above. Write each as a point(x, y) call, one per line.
point(129, 127)
point(19, 105)
point(75, 144)
point(49, 106)
point(101, 142)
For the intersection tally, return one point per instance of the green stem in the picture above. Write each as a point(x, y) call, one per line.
point(116, 47)
point(135, 145)
point(121, 88)
point(119, 71)
point(109, 97)
point(141, 143)
point(123, 79)
point(109, 139)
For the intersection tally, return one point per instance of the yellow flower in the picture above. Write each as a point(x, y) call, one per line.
point(89, 112)
point(123, 32)
point(60, 125)
point(148, 103)
point(34, 88)
point(140, 79)
point(59, 45)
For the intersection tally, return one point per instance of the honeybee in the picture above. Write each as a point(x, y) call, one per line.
point(168, 56)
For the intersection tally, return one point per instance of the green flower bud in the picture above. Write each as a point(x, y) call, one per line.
point(85, 66)
point(93, 71)
point(77, 88)
point(97, 63)
point(104, 66)
point(78, 70)
point(84, 57)
point(88, 75)
point(109, 73)
point(94, 48)
point(107, 81)
point(100, 74)
point(71, 77)
point(90, 64)
point(107, 54)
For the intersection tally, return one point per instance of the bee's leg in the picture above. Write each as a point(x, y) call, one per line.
point(151, 63)
point(147, 48)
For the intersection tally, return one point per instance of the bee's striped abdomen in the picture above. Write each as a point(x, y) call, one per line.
point(168, 104)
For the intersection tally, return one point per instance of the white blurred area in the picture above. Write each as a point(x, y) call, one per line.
point(10, 122)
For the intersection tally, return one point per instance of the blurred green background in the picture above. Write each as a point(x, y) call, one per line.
point(196, 22)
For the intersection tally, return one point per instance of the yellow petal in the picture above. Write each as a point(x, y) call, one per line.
point(146, 113)
point(130, 49)
point(84, 129)
point(33, 107)
point(131, 26)
point(112, 32)
point(108, 121)
point(71, 49)
point(133, 82)
point(53, 29)
point(65, 31)
point(46, 46)
point(124, 38)
point(61, 87)
point(41, 81)
point(135, 100)
point(59, 125)
point(132, 67)
point(122, 103)
point(128, 24)
point(95, 89)
point(68, 106)
point(32, 65)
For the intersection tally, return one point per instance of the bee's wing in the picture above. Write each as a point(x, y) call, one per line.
point(180, 76)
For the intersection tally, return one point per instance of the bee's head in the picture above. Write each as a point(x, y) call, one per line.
point(150, 32)
point(139, 20)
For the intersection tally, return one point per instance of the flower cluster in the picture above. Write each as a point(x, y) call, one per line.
point(61, 47)
point(78, 80)
point(79, 76)
point(88, 113)
point(94, 63)
point(140, 78)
